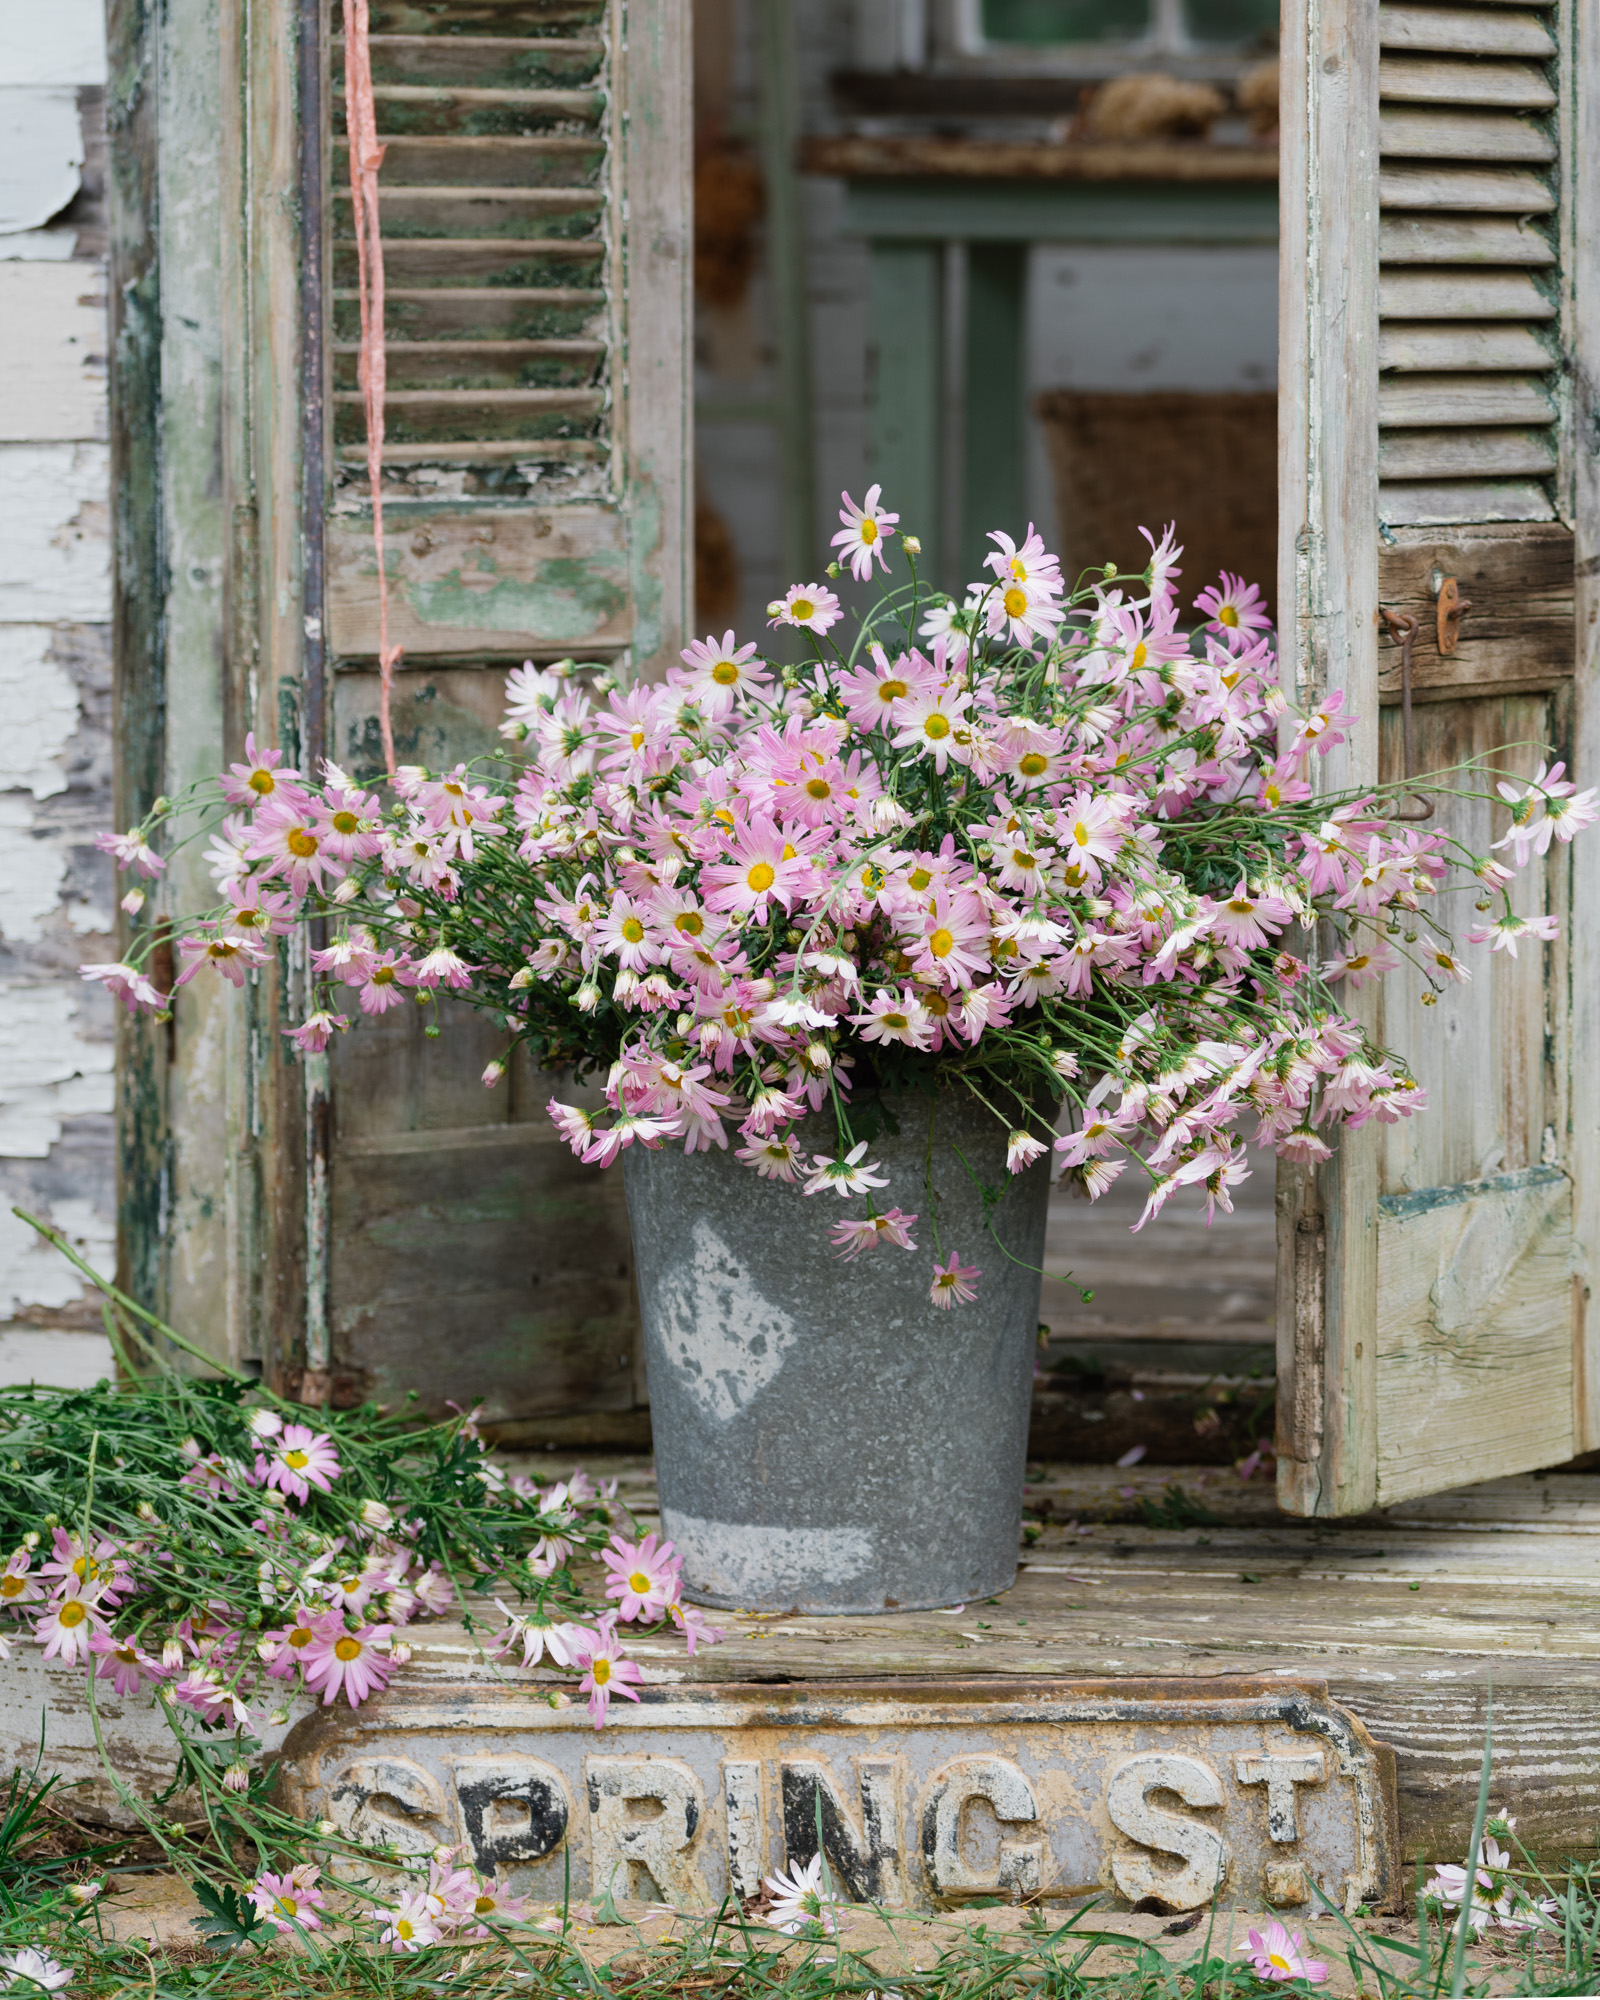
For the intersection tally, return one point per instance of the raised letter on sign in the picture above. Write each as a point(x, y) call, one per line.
point(865, 1860)
point(747, 1848)
point(1017, 1870)
point(1280, 1775)
point(513, 1810)
point(1201, 1849)
point(622, 1845)
point(388, 1799)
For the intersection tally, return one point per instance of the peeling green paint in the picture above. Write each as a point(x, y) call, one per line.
point(569, 599)
point(1400, 1207)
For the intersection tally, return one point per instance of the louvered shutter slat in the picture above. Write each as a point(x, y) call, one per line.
point(1467, 297)
point(497, 248)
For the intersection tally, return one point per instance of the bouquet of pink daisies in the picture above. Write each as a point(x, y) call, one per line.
point(1061, 849)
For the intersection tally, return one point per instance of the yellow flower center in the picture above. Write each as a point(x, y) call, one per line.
point(71, 1613)
point(632, 929)
point(1016, 601)
point(638, 1583)
point(126, 1655)
point(296, 1459)
point(919, 878)
point(350, 1585)
point(347, 1648)
point(891, 691)
point(601, 1671)
point(1032, 765)
point(286, 1906)
point(11, 1586)
point(405, 1929)
point(802, 607)
point(261, 782)
point(637, 739)
point(937, 1005)
point(940, 944)
point(1023, 859)
point(936, 726)
point(1138, 658)
point(300, 1636)
point(725, 673)
point(1019, 569)
point(346, 822)
point(690, 922)
point(896, 1021)
point(1228, 616)
point(299, 841)
point(383, 976)
point(1358, 963)
point(1080, 833)
point(1241, 907)
point(788, 850)
point(818, 788)
point(869, 532)
point(483, 1906)
point(762, 876)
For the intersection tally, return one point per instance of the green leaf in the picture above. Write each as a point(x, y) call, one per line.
point(229, 1921)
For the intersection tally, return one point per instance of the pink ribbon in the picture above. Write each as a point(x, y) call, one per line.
point(366, 156)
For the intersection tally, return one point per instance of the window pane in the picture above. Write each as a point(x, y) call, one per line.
point(1042, 21)
point(1231, 20)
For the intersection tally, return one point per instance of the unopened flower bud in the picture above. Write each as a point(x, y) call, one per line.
point(236, 1778)
point(31, 1539)
point(145, 1511)
point(911, 545)
point(326, 1828)
point(85, 1892)
point(493, 1073)
point(162, 805)
point(346, 891)
point(558, 1698)
point(522, 979)
point(376, 1515)
point(278, 1718)
point(267, 1650)
point(265, 1423)
point(400, 1653)
point(133, 902)
point(172, 1653)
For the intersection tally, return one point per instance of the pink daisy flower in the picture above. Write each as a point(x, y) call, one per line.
point(70, 1624)
point(606, 1672)
point(644, 1576)
point(691, 1622)
point(290, 1902)
point(16, 1586)
point(125, 983)
point(411, 1924)
point(130, 850)
point(865, 530)
point(714, 676)
point(123, 1664)
point(851, 1238)
point(263, 779)
point(316, 1031)
point(294, 846)
point(765, 868)
point(1276, 1954)
point(349, 1661)
point(952, 1283)
point(301, 1458)
point(1234, 605)
point(810, 606)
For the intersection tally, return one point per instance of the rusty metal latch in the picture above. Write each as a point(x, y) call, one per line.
point(1453, 607)
point(1404, 625)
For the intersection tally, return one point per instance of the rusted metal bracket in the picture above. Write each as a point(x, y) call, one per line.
point(1404, 625)
point(1452, 608)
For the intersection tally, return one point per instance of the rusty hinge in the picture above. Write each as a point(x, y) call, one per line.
point(1404, 626)
point(1452, 608)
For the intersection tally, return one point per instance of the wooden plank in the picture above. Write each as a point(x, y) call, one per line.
point(1510, 189)
point(905, 381)
point(481, 364)
point(1456, 454)
point(442, 61)
point(1461, 135)
point(1328, 479)
point(1505, 86)
point(1423, 503)
point(525, 262)
point(1434, 239)
point(1428, 348)
point(1519, 632)
point(1465, 399)
point(545, 579)
point(1424, 294)
point(859, 156)
point(1580, 495)
point(1475, 1329)
point(507, 159)
point(993, 454)
point(935, 210)
point(1465, 30)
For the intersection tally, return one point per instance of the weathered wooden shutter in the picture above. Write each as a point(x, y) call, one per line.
point(534, 210)
point(1438, 337)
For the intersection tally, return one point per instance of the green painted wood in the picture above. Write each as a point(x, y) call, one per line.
point(905, 363)
point(1003, 211)
point(994, 414)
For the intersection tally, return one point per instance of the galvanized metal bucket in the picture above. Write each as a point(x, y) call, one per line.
point(826, 1438)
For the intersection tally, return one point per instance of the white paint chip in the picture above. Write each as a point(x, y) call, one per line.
point(53, 357)
point(33, 872)
point(49, 1069)
point(64, 42)
point(724, 1341)
point(41, 152)
point(33, 1273)
point(55, 543)
point(40, 706)
point(58, 1360)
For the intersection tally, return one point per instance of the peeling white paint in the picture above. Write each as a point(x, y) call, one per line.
point(59, 1360)
point(741, 1562)
point(724, 1340)
point(55, 544)
point(40, 706)
point(41, 155)
point(62, 43)
point(32, 1273)
point(32, 872)
point(53, 361)
point(49, 1068)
